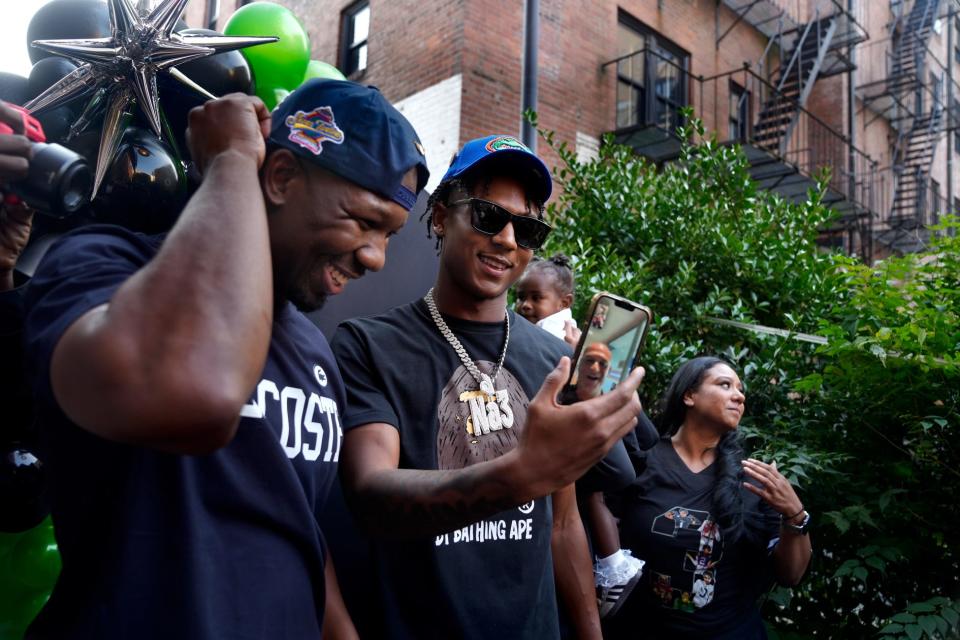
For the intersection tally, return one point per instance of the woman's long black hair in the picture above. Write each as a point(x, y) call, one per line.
point(727, 500)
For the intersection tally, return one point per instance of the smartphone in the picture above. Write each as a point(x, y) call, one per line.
point(609, 346)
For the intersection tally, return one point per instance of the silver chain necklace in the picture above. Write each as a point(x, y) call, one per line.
point(485, 381)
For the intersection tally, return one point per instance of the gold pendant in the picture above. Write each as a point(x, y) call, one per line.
point(489, 409)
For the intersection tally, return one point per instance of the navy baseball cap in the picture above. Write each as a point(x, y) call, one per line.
point(351, 130)
point(502, 149)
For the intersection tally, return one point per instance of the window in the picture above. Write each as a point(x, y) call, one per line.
point(651, 77)
point(353, 38)
point(952, 117)
point(935, 206)
point(739, 113)
point(936, 84)
point(956, 43)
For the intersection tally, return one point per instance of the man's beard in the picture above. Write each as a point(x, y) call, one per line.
point(306, 306)
point(301, 297)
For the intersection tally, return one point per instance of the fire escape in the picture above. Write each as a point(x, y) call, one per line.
point(916, 111)
point(765, 113)
point(813, 53)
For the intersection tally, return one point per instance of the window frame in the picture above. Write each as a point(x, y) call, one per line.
point(956, 39)
point(347, 47)
point(651, 104)
point(743, 113)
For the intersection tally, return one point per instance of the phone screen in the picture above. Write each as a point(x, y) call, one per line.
point(609, 346)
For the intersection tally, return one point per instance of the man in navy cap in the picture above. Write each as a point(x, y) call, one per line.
point(191, 412)
point(453, 459)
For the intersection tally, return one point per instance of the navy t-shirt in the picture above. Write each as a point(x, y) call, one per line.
point(493, 578)
point(158, 545)
point(696, 582)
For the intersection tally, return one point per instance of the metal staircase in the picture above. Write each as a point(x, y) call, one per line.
point(909, 55)
point(919, 134)
point(794, 81)
point(894, 96)
point(908, 210)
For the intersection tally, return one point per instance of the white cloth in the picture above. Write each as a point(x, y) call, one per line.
point(554, 323)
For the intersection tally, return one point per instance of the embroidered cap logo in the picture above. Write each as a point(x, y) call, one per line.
point(506, 142)
point(310, 129)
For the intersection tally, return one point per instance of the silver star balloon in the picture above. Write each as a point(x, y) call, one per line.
point(123, 68)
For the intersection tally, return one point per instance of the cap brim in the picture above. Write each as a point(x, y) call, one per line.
point(525, 162)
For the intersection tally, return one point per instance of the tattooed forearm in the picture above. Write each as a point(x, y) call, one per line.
point(410, 502)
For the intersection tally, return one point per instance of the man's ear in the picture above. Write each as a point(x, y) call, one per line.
point(279, 170)
point(566, 301)
point(439, 218)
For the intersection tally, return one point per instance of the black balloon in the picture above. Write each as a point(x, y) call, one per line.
point(13, 88)
point(71, 19)
point(219, 74)
point(56, 122)
point(48, 71)
point(145, 188)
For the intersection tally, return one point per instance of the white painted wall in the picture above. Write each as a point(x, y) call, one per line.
point(435, 114)
point(588, 147)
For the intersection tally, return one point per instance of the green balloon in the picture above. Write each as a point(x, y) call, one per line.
point(7, 542)
point(320, 69)
point(16, 610)
point(279, 95)
point(28, 608)
point(278, 65)
point(36, 560)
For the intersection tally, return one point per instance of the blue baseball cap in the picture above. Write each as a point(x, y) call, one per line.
point(502, 149)
point(352, 131)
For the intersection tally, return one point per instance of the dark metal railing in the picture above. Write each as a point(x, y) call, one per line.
point(811, 145)
point(732, 104)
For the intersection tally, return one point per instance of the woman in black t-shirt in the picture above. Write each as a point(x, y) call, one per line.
point(715, 529)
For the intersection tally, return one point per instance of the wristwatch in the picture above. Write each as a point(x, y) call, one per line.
point(801, 529)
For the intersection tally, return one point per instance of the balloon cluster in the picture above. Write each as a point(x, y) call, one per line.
point(145, 186)
point(282, 66)
point(147, 179)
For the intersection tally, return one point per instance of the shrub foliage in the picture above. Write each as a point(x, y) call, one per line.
point(865, 425)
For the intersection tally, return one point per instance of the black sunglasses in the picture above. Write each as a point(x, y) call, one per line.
point(490, 218)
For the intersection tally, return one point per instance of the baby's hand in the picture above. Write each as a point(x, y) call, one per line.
point(571, 334)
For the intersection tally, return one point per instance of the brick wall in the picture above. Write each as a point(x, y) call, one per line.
point(412, 45)
point(417, 49)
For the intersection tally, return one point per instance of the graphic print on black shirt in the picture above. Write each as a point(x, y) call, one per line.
point(493, 577)
point(697, 581)
point(705, 552)
point(473, 426)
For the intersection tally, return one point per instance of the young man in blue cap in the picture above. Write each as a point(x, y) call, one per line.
point(453, 460)
point(192, 414)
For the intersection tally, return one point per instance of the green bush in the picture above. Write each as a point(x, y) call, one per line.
point(865, 425)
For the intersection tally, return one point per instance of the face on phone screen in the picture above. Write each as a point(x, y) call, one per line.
point(608, 349)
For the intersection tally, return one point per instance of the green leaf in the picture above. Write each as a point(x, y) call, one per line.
point(837, 519)
point(877, 563)
point(904, 617)
point(913, 631)
point(920, 607)
point(950, 615)
point(929, 624)
point(892, 628)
